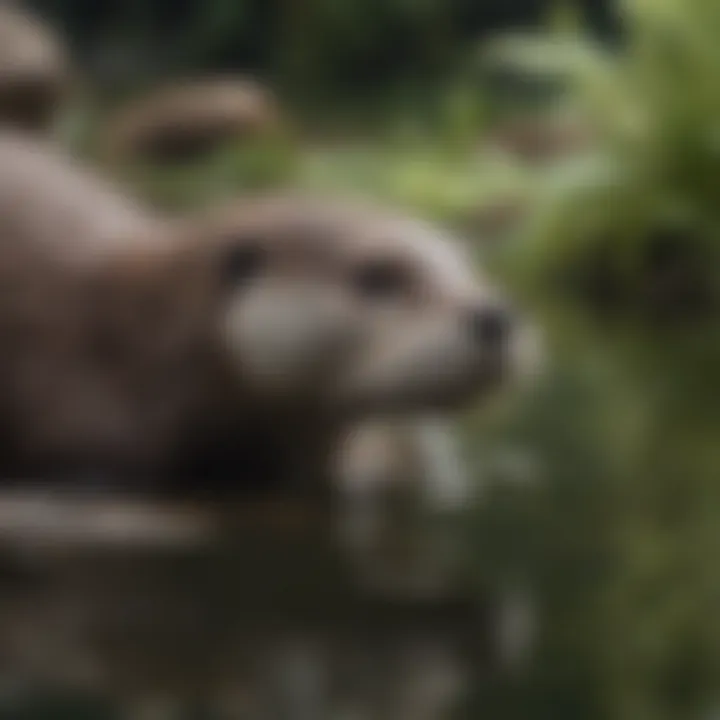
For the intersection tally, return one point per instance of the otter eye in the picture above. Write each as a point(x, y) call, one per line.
point(242, 264)
point(380, 280)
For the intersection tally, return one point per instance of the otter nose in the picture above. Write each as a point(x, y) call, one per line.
point(489, 324)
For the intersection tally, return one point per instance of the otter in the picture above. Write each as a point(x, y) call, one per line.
point(186, 120)
point(34, 71)
point(234, 344)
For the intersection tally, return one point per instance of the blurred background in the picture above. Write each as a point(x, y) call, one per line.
point(576, 146)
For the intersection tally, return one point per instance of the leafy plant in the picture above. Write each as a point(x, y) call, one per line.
point(629, 231)
point(633, 222)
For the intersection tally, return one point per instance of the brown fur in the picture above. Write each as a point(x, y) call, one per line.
point(189, 119)
point(34, 71)
point(133, 349)
point(109, 359)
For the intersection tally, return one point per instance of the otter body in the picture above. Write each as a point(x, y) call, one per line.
point(240, 342)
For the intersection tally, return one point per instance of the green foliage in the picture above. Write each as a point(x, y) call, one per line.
point(317, 50)
point(445, 176)
point(425, 179)
point(232, 168)
point(654, 107)
point(628, 233)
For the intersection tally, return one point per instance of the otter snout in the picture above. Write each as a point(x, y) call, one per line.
point(444, 360)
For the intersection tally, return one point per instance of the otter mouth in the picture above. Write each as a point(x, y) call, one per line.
point(443, 397)
point(426, 368)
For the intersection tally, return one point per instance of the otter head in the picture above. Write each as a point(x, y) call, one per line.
point(35, 73)
point(363, 311)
